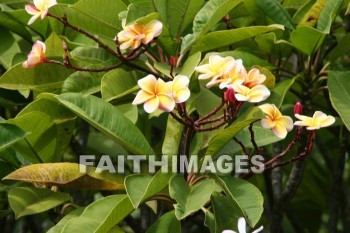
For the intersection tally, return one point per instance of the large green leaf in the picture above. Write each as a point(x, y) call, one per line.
point(29, 200)
point(274, 10)
point(83, 82)
point(98, 18)
point(172, 136)
point(166, 224)
point(218, 39)
point(141, 187)
point(59, 226)
point(109, 120)
point(101, 215)
point(342, 48)
point(42, 138)
point(118, 83)
point(245, 196)
point(10, 134)
point(328, 14)
point(339, 91)
point(68, 175)
point(8, 48)
point(231, 131)
point(206, 18)
point(189, 199)
point(307, 39)
point(10, 23)
point(180, 14)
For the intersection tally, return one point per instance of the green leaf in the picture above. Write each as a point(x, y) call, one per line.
point(189, 65)
point(141, 187)
point(8, 48)
point(231, 131)
point(10, 134)
point(118, 83)
point(41, 76)
point(328, 14)
point(342, 48)
point(339, 92)
point(92, 16)
point(111, 210)
point(134, 13)
point(307, 39)
point(83, 82)
point(279, 92)
point(274, 10)
point(59, 226)
point(245, 196)
point(109, 120)
point(180, 14)
point(42, 138)
point(206, 18)
point(10, 23)
point(167, 223)
point(263, 137)
point(218, 39)
point(29, 200)
point(71, 175)
point(189, 199)
point(225, 214)
point(172, 136)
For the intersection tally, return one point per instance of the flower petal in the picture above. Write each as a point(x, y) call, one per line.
point(31, 9)
point(268, 109)
point(32, 19)
point(329, 120)
point(163, 87)
point(148, 84)
point(182, 95)
point(142, 97)
point(279, 130)
point(155, 27)
point(166, 103)
point(268, 123)
point(179, 82)
point(258, 230)
point(258, 93)
point(151, 105)
point(241, 225)
point(286, 121)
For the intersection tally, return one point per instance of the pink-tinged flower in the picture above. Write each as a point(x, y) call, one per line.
point(39, 9)
point(36, 55)
point(135, 34)
point(154, 94)
point(179, 88)
point(254, 78)
point(236, 74)
point(217, 67)
point(242, 227)
point(275, 121)
point(253, 95)
point(317, 121)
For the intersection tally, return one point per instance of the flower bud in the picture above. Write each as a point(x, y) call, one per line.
point(230, 95)
point(298, 108)
point(172, 61)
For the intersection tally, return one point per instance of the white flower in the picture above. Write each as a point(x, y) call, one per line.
point(39, 9)
point(242, 227)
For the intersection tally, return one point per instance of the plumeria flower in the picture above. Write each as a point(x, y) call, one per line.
point(317, 121)
point(275, 121)
point(242, 227)
point(253, 95)
point(36, 55)
point(135, 34)
point(237, 74)
point(39, 9)
point(179, 88)
point(254, 78)
point(154, 94)
point(217, 67)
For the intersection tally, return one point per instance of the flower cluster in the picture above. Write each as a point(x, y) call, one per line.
point(157, 94)
point(230, 73)
point(135, 34)
point(39, 9)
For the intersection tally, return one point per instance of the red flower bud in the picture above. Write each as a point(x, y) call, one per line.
point(230, 95)
point(172, 61)
point(298, 108)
